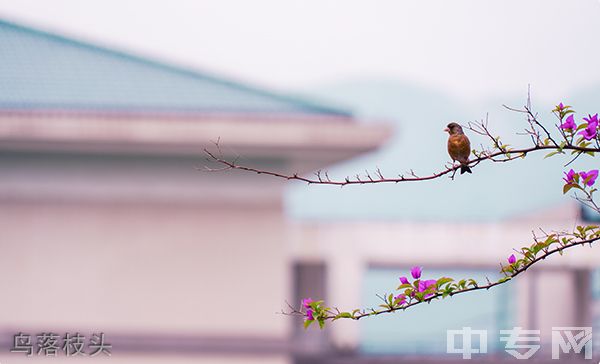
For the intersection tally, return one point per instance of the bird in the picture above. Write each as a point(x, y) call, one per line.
point(459, 146)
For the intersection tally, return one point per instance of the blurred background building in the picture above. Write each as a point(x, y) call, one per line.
point(106, 224)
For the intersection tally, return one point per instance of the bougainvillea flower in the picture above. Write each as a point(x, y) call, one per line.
point(570, 176)
point(306, 302)
point(404, 280)
point(423, 285)
point(569, 124)
point(401, 298)
point(416, 272)
point(309, 315)
point(592, 119)
point(589, 178)
point(591, 130)
point(512, 259)
point(561, 106)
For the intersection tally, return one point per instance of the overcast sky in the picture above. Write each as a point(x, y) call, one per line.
point(470, 49)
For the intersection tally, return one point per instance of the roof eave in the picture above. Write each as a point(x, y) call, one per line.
point(317, 140)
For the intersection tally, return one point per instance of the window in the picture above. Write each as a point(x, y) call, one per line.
point(422, 329)
point(596, 285)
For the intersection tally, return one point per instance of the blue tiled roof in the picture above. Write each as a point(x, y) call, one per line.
point(39, 70)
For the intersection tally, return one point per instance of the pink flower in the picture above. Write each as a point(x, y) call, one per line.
point(306, 302)
point(416, 272)
point(401, 298)
point(403, 280)
point(309, 315)
point(560, 106)
point(592, 119)
point(589, 178)
point(424, 285)
point(570, 176)
point(569, 124)
point(512, 259)
point(590, 131)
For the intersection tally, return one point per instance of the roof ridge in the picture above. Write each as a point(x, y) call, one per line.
point(171, 67)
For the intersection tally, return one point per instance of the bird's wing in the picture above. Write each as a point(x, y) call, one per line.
point(459, 147)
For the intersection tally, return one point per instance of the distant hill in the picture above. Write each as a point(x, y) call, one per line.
point(494, 191)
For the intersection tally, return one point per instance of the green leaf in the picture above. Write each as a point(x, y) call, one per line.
point(342, 315)
point(552, 153)
point(307, 323)
point(504, 279)
point(537, 247)
point(315, 305)
point(444, 280)
point(321, 323)
point(551, 239)
point(568, 187)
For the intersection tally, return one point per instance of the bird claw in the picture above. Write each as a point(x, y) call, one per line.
point(453, 173)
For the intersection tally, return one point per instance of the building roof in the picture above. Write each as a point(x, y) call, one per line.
point(62, 95)
point(44, 71)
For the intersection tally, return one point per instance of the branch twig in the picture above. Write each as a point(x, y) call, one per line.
point(515, 154)
point(529, 261)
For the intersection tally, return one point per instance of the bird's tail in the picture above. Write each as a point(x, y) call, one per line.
point(464, 169)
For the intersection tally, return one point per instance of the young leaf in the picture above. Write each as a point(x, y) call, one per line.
point(307, 323)
point(444, 280)
point(321, 323)
point(342, 315)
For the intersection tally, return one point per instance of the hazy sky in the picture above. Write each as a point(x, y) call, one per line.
point(470, 49)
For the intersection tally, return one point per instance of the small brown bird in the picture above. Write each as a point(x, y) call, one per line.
point(459, 146)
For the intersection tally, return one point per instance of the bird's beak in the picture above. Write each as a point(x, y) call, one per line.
point(447, 130)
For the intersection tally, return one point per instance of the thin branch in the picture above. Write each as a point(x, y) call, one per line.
point(514, 273)
point(500, 153)
point(515, 154)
